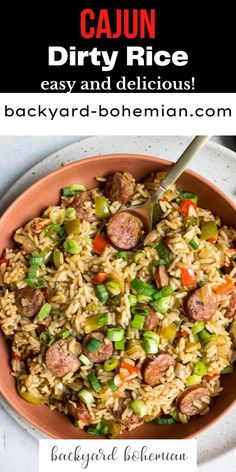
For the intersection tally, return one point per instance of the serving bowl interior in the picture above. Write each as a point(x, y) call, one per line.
point(46, 192)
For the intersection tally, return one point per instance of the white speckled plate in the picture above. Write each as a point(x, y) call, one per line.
point(217, 446)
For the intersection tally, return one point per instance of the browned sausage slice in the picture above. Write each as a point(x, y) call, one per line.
point(161, 276)
point(201, 310)
point(151, 320)
point(78, 204)
point(124, 230)
point(193, 400)
point(154, 369)
point(119, 187)
point(231, 308)
point(79, 412)
point(105, 350)
point(128, 420)
point(59, 360)
point(28, 301)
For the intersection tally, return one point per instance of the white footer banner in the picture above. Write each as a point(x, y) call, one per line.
point(113, 455)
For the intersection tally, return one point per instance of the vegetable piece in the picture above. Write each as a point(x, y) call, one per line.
point(101, 293)
point(193, 380)
point(205, 336)
point(72, 226)
point(208, 230)
point(151, 335)
point(166, 291)
point(201, 283)
point(57, 215)
point(72, 246)
point(150, 346)
point(86, 396)
point(102, 209)
point(194, 245)
point(132, 300)
point(35, 283)
point(156, 214)
point(28, 396)
point(99, 278)
point(228, 370)
point(94, 322)
point(139, 408)
point(142, 287)
point(122, 255)
point(143, 298)
point(163, 253)
point(112, 385)
point(70, 213)
point(162, 305)
point(211, 377)
point(55, 232)
point(4, 260)
point(120, 345)
point(115, 334)
point(192, 221)
point(188, 196)
point(93, 345)
point(44, 311)
point(140, 310)
point(188, 277)
point(47, 339)
point(36, 259)
point(85, 360)
point(110, 364)
point(212, 240)
point(188, 208)
point(58, 258)
point(65, 334)
point(72, 190)
point(224, 289)
point(164, 420)
point(183, 333)
point(97, 386)
point(127, 372)
point(198, 327)
point(114, 429)
point(46, 255)
point(170, 331)
point(200, 369)
point(113, 287)
point(100, 243)
point(137, 256)
point(138, 322)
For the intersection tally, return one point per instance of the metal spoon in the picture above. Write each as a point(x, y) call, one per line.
point(145, 211)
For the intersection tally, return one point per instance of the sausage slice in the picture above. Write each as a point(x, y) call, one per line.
point(119, 187)
point(193, 400)
point(154, 369)
point(79, 412)
point(200, 310)
point(105, 350)
point(151, 320)
point(124, 230)
point(28, 301)
point(231, 308)
point(161, 276)
point(122, 403)
point(78, 204)
point(59, 360)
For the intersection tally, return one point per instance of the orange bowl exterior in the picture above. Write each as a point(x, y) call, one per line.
point(46, 192)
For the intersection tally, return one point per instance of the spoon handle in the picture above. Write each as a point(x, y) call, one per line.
point(177, 169)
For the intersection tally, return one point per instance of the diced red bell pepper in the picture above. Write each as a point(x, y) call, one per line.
point(188, 277)
point(185, 206)
point(100, 243)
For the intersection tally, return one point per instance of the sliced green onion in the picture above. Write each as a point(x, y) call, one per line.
point(120, 345)
point(112, 385)
point(104, 430)
point(72, 246)
point(194, 245)
point(35, 283)
point(73, 190)
point(138, 310)
point(166, 291)
point(159, 262)
point(115, 334)
point(192, 221)
point(46, 255)
point(200, 369)
point(138, 256)
point(58, 258)
point(36, 259)
point(143, 298)
point(152, 335)
point(113, 287)
point(103, 319)
point(70, 213)
point(197, 327)
point(150, 346)
point(115, 300)
point(33, 271)
point(142, 287)
point(193, 380)
point(85, 360)
point(86, 396)
point(228, 369)
point(110, 364)
point(132, 300)
point(138, 322)
point(44, 311)
point(165, 420)
point(201, 283)
point(97, 386)
point(57, 215)
point(65, 334)
point(139, 408)
point(55, 232)
point(122, 255)
point(162, 305)
point(101, 293)
point(93, 345)
point(47, 339)
point(93, 429)
point(188, 196)
point(205, 336)
point(163, 252)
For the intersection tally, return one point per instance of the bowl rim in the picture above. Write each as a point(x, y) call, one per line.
point(122, 156)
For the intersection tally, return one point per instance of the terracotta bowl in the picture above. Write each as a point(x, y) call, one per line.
point(46, 192)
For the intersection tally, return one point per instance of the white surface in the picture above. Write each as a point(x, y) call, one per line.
point(18, 449)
